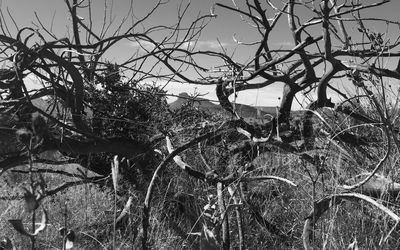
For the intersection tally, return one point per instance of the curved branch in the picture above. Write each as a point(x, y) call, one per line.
point(77, 105)
point(223, 99)
point(323, 101)
point(269, 177)
point(309, 70)
point(326, 203)
point(183, 165)
point(377, 167)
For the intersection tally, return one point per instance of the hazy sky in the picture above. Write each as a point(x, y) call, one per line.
point(53, 13)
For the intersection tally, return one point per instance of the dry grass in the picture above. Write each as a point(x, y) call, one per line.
point(177, 210)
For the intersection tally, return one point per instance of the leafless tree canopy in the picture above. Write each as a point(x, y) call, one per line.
point(341, 65)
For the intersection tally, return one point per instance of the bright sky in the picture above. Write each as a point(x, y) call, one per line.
point(53, 13)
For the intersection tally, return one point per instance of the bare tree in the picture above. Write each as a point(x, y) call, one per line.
point(331, 41)
point(68, 68)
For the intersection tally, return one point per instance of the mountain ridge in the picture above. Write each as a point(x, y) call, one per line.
point(244, 110)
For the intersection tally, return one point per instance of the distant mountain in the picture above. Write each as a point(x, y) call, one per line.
point(201, 103)
point(245, 111)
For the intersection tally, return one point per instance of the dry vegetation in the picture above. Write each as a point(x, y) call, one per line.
point(102, 162)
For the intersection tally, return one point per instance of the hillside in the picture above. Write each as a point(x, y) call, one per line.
point(243, 110)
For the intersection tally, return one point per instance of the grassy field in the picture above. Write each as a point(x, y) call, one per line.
point(272, 217)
